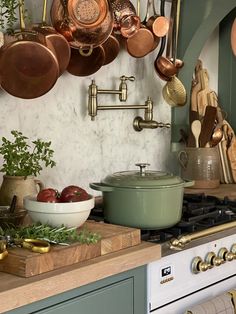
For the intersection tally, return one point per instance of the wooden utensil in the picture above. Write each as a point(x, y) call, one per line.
point(196, 85)
point(207, 125)
point(196, 130)
point(203, 99)
point(193, 115)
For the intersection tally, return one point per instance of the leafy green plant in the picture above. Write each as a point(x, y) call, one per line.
point(8, 13)
point(22, 159)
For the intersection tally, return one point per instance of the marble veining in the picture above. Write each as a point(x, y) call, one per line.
point(86, 151)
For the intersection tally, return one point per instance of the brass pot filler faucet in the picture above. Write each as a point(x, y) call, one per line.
point(139, 123)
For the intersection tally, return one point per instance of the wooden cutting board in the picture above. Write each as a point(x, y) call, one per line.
point(25, 263)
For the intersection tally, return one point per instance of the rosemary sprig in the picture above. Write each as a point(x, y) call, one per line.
point(60, 235)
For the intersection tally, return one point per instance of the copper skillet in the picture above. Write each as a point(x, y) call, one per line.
point(54, 39)
point(29, 69)
point(143, 41)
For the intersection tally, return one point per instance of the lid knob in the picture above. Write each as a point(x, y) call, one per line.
point(142, 166)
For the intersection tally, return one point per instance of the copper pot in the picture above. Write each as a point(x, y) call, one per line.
point(84, 65)
point(111, 48)
point(126, 21)
point(29, 69)
point(143, 41)
point(82, 38)
point(54, 39)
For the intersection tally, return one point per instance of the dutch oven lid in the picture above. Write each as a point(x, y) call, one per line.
point(142, 178)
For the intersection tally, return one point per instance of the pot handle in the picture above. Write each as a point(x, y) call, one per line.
point(188, 183)
point(101, 187)
point(183, 159)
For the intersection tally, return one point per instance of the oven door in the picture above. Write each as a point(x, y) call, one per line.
point(183, 304)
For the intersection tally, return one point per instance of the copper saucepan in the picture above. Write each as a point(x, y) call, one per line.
point(158, 24)
point(111, 48)
point(54, 39)
point(82, 38)
point(126, 20)
point(143, 41)
point(29, 69)
point(80, 65)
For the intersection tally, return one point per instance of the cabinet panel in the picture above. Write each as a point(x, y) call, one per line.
point(113, 299)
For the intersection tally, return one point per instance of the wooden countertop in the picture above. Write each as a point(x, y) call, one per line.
point(223, 190)
point(36, 288)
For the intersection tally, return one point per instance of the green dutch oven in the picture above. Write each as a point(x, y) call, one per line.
point(142, 199)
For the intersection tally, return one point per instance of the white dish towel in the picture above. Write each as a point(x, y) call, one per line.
point(221, 304)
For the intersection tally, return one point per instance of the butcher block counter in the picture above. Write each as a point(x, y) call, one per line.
point(16, 291)
point(222, 191)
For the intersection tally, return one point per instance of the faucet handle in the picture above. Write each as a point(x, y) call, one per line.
point(123, 86)
point(124, 78)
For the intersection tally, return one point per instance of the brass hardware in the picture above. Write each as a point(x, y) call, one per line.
point(139, 123)
point(148, 123)
point(198, 265)
point(218, 261)
point(226, 255)
point(94, 91)
point(183, 240)
point(233, 250)
point(210, 259)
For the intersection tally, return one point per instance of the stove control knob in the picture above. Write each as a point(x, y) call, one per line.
point(233, 250)
point(210, 259)
point(226, 255)
point(218, 261)
point(198, 265)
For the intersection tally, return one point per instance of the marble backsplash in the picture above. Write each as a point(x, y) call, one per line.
point(86, 151)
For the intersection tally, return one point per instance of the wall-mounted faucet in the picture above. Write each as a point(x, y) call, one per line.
point(139, 123)
point(94, 91)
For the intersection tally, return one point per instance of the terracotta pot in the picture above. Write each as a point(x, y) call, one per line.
point(19, 186)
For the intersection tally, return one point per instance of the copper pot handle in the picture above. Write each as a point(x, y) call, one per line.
point(83, 52)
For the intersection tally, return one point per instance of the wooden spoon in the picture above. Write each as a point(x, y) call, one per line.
point(196, 130)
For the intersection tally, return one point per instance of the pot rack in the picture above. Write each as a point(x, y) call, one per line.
point(139, 123)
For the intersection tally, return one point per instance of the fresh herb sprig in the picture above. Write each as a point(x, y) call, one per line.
point(60, 235)
point(20, 159)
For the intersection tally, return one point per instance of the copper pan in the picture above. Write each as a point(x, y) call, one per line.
point(55, 40)
point(82, 38)
point(111, 48)
point(158, 24)
point(165, 67)
point(86, 65)
point(126, 20)
point(143, 41)
point(87, 13)
point(233, 37)
point(29, 69)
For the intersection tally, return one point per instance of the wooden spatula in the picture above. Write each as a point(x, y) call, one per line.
point(208, 125)
point(196, 130)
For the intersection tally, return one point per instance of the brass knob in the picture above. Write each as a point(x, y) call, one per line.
point(198, 265)
point(210, 259)
point(218, 261)
point(233, 250)
point(226, 255)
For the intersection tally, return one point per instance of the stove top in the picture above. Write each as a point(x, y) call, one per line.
point(199, 212)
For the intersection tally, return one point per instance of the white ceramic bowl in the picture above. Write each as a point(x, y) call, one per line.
point(72, 214)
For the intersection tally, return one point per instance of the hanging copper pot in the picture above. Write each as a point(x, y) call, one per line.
point(143, 41)
point(29, 69)
point(111, 48)
point(158, 23)
point(55, 40)
point(126, 20)
point(82, 37)
point(81, 65)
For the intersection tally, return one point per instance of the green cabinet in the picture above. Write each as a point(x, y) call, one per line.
point(123, 293)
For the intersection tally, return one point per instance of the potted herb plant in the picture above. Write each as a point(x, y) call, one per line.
point(22, 162)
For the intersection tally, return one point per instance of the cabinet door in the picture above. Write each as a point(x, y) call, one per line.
point(113, 299)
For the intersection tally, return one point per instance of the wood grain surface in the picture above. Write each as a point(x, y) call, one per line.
point(25, 263)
